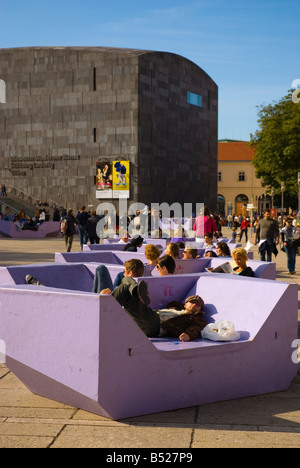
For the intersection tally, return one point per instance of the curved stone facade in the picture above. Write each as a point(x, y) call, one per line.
point(68, 107)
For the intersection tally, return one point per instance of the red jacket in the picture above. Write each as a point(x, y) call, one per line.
point(245, 224)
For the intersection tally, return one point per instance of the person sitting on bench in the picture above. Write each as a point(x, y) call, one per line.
point(166, 265)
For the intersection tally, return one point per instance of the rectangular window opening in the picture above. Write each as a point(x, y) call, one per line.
point(194, 99)
point(95, 79)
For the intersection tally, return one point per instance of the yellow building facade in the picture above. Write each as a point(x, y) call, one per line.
point(238, 188)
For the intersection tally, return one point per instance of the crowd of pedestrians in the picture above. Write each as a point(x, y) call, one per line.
point(271, 233)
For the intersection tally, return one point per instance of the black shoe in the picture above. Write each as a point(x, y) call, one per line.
point(31, 280)
point(143, 292)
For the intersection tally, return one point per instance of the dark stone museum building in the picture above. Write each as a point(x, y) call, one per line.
point(67, 108)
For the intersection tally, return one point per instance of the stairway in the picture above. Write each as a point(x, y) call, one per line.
point(16, 205)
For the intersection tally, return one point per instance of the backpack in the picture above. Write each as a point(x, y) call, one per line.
point(63, 226)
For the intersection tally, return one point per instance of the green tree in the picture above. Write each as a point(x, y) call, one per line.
point(277, 145)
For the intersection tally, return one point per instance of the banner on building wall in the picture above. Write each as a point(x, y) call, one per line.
point(104, 179)
point(121, 179)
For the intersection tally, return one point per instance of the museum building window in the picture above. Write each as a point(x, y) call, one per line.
point(194, 99)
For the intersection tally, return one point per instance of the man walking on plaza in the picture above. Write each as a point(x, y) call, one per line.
point(70, 230)
point(268, 231)
point(82, 218)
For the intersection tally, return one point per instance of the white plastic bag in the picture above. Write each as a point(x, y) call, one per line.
point(248, 246)
point(220, 331)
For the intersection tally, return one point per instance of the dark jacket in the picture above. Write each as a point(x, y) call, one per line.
point(192, 324)
point(134, 244)
point(130, 248)
point(82, 218)
point(91, 226)
point(246, 272)
point(71, 229)
point(146, 318)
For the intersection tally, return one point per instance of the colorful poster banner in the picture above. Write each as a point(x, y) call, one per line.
point(104, 179)
point(121, 179)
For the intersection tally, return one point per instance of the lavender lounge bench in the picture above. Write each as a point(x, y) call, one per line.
point(75, 276)
point(266, 270)
point(84, 350)
point(108, 257)
point(261, 269)
point(161, 243)
point(47, 229)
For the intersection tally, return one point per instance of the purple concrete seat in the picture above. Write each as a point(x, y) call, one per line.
point(188, 266)
point(86, 257)
point(47, 229)
point(124, 256)
point(84, 350)
point(266, 270)
point(75, 276)
point(108, 245)
point(161, 243)
point(200, 253)
point(103, 247)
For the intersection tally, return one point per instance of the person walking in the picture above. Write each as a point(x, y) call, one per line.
point(70, 229)
point(267, 231)
point(91, 227)
point(203, 224)
point(290, 236)
point(244, 228)
point(82, 218)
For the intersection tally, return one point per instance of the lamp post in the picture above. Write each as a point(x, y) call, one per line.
point(272, 196)
point(282, 195)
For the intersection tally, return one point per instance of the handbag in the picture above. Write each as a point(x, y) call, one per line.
point(296, 236)
point(296, 239)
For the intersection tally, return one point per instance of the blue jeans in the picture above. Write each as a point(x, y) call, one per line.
point(82, 235)
point(102, 279)
point(266, 247)
point(291, 257)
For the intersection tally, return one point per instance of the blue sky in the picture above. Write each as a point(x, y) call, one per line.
point(249, 48)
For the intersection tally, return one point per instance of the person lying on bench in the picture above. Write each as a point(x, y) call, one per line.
point(184, 322)
point(134, 298)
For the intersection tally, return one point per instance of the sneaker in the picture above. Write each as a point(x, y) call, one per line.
point(143, 292)
point(31, 280)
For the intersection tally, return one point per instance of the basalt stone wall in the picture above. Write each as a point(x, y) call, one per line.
point(67, 108)
point(178, 113)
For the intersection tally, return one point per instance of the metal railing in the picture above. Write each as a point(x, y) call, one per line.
point(23, 195)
